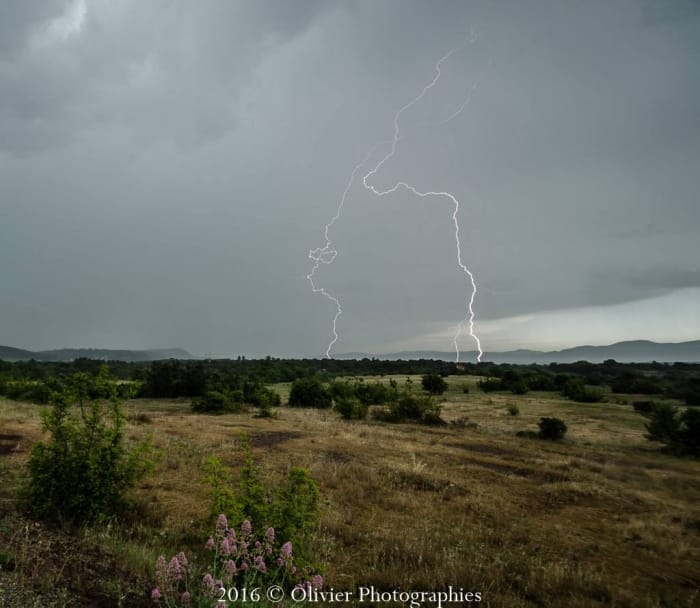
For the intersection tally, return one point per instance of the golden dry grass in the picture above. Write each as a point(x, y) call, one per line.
point(601, 519)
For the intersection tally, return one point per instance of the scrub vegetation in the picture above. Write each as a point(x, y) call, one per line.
point(502, 484)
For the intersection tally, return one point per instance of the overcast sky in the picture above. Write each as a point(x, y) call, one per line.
point(165, 168)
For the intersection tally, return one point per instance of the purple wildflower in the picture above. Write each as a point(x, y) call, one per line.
point(317, 581)
point(260, 564)
point(209, 586)
point(182, 559)
point(270, 535)
point(156, 594)
point(286, 550)
point(186, 597)
point(225, 547)
point(221, 524)
point(210, 543)
point(174, 571)
point(246, 528)
point(231, 567)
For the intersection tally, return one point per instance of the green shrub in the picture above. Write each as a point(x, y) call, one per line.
point(552, 429)
point(644, 407)
point(375, 393)
point(576, 390)
point(680, 432)
point(664, 423)
point(513, 409)
point(418, 408)
point(293, 508)
point(218, 402)
point(490, 384)
point(265, 399)
point(688, 441)
point(84, 472)
point(351, 408)
point(434, 383)
point(310, 392)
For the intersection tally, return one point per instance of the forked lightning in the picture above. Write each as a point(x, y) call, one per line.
point(327, 253)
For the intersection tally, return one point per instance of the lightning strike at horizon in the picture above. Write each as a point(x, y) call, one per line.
point(327, 254)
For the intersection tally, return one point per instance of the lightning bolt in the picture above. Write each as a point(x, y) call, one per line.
point(327, 253)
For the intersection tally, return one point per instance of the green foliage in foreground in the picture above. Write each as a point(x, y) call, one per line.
point(292, 509)
point(245, 569)
point(84, 472)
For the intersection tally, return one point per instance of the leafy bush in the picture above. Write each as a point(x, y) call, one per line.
point(351, 408)
point(244, 568)
point(490, 384)
point(552, 429)
point(85, 470)
point(375, 393)
point(34, 391)
point(679, 431)
point(434, 383)
point(219, 402)
point(644, 407)
point(664, 423)
point(514, 382)
point(310, 392)
point(293, 508)
point(576, 390)
point(418, 408)
point(513, 409)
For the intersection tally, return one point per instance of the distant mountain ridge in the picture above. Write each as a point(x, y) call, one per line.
point(634, 351)
point(9, 353)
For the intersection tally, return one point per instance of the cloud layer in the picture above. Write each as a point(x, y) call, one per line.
point(166, 166)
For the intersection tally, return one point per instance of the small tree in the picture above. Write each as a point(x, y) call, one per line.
point(663, 424)
point(434, 383)
point(85, 470)
point(679, 432)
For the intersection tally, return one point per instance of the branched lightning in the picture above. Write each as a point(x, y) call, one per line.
point(327, 253)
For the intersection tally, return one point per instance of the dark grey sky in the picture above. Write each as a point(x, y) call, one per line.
point(165, 167)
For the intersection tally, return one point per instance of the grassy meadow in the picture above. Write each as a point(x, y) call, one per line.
point(602, 518)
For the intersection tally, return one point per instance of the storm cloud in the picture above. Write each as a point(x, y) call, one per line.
point(165, 168)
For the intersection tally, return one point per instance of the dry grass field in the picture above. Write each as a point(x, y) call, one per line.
point(599, 519)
